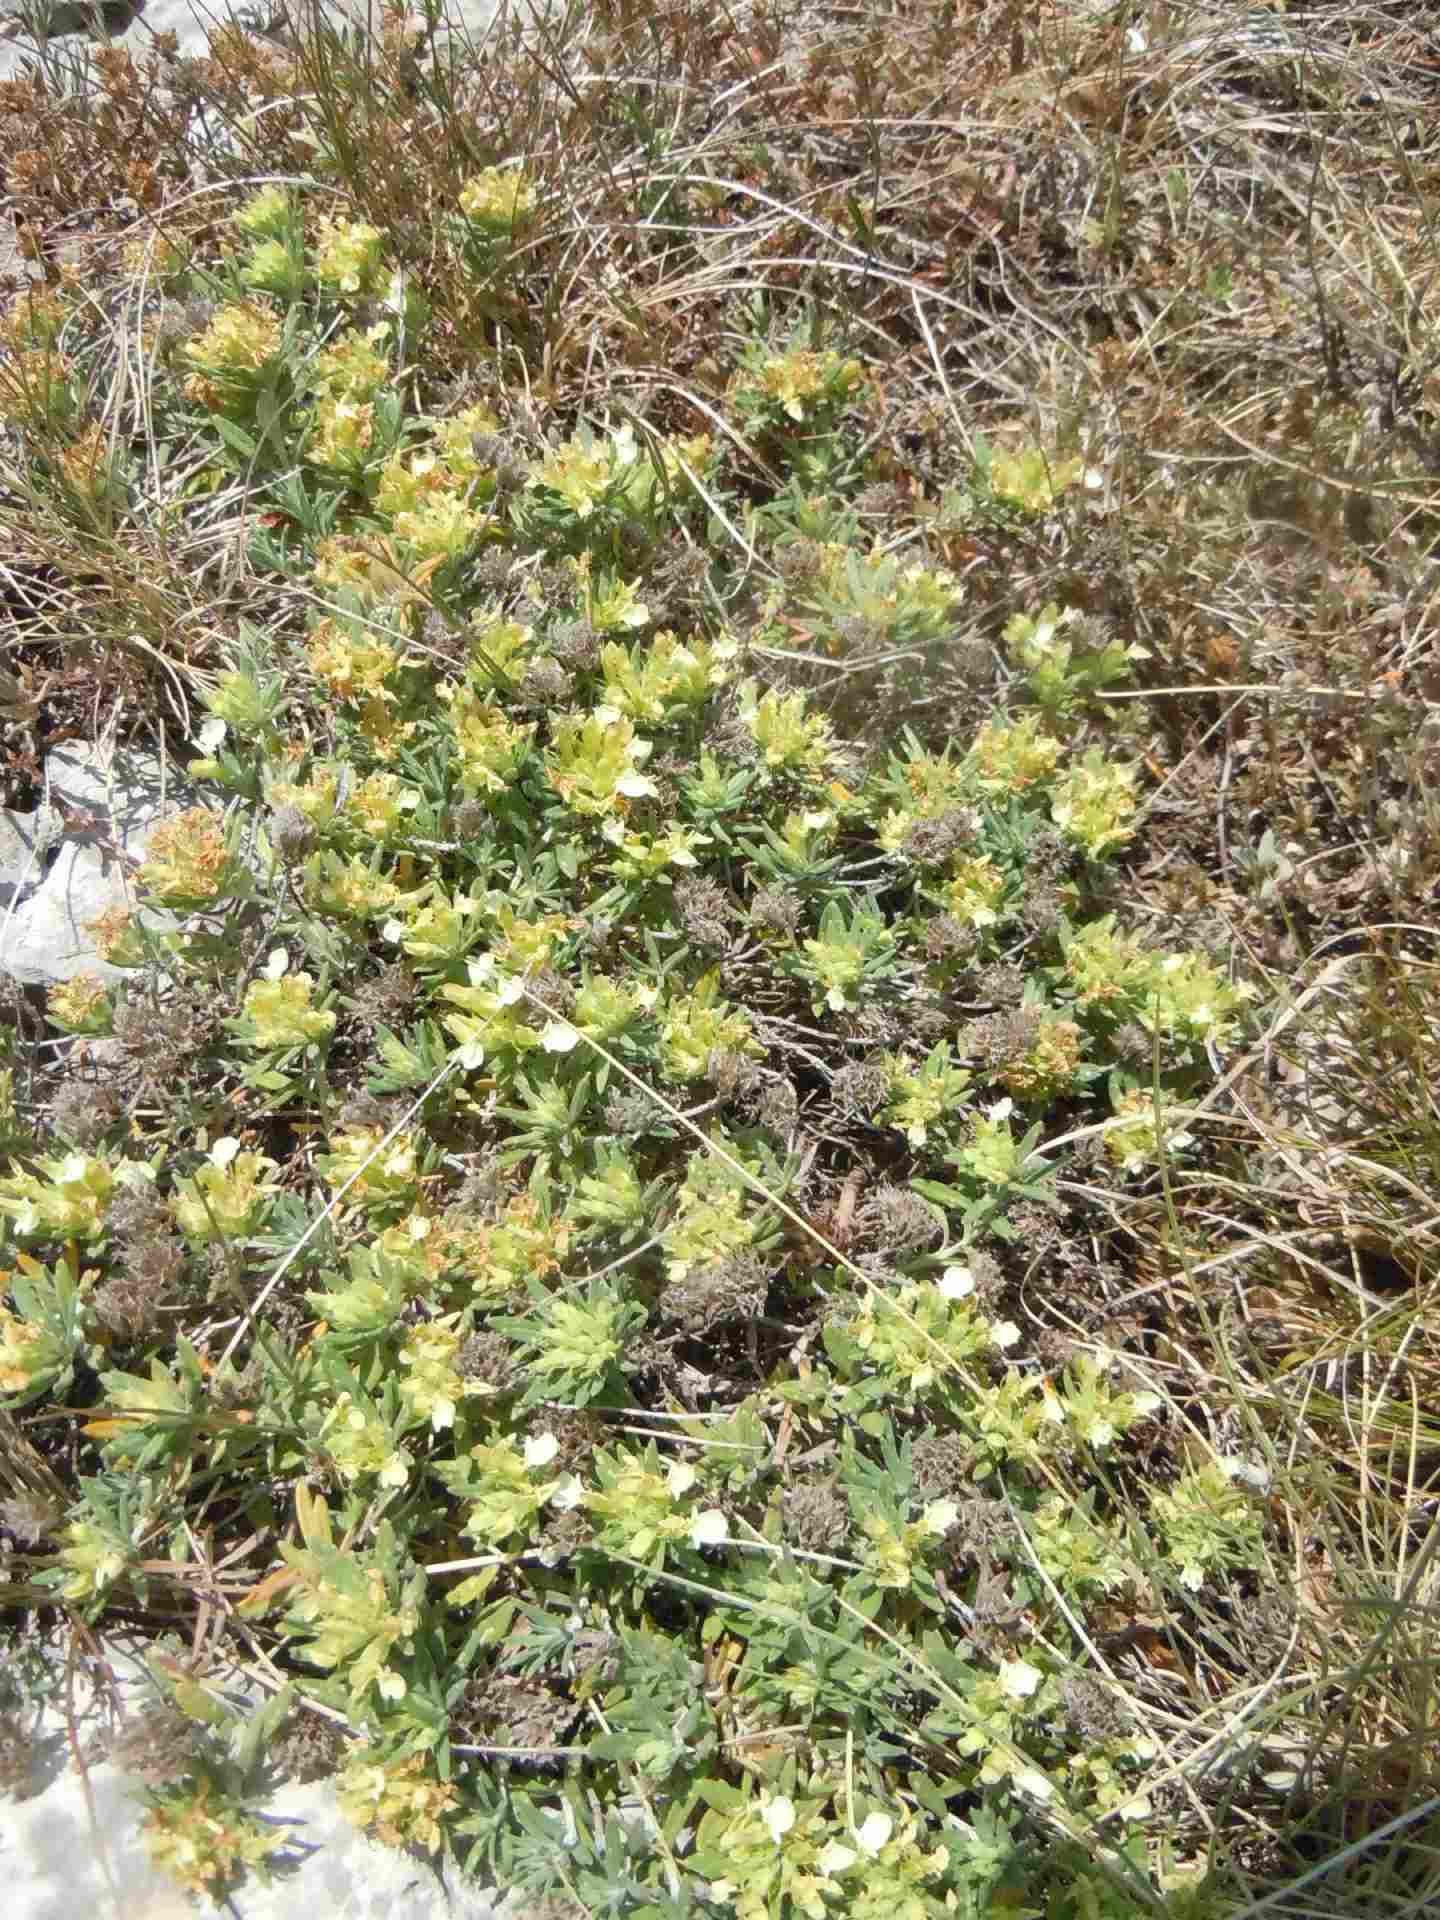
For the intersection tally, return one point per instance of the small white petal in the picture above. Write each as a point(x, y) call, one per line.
point(540, 1449)
point(568, 1494)
point(1004, 1333)
point(779, 1817)
point(635, 786)
point(875, 1831)
point(559, 1037)
point(1234, 1468)
point(680, 1478)
point(1035, 1784)
point(224, 1151)
point(940, 1516)
point(956, 1283)
point(278, 964)
point(1019, 1679)
point(709, 1529)
point(834, 1858)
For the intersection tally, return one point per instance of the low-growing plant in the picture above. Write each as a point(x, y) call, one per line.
point(603, 1198)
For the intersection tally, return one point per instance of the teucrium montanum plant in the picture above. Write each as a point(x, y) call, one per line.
point(552, 947)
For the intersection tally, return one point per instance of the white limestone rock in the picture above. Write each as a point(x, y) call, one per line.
point(74, 858)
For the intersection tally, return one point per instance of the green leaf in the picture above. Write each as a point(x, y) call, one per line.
point(942, 1195)
point(256, 1734)
point(717, 1795)
point(270, 1080)
point(235, 437)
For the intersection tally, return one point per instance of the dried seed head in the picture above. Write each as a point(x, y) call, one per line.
point(445, 639)
point(575, 643)
point(799, 563)
point(1042, 907)
point(705, 911)
point(731, 1073)
point(291, 834)
point(84, 1110)
point(732, 1290)
point(941, 1463)
point(157, 1745)
point(816, 1517)
point(676, 588)
point(481, 1195)
point(136, 1211)
point(1002, 983)
point(308, 1748)
point(774, 912)
point(778, 1106)
point(526, 1712)
point(503, 458)
point(552, 989)
point(546, 683)
point(386, 998)
point(899, 1220)
point(567, 1531)
point(884, 501)
point(930, 841)
point(577, 1433)
point(493, 570)
point(595, 1652)
point(860, 1088)
point(362, 1112)
point(1132, 1044)
point(1000, 1039)
point(947, 938)
point(488, 1357)
point(1092, 1710)
point(157, 1262)
point(126, 1308)
point(29, 1517)
point(554, 586)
